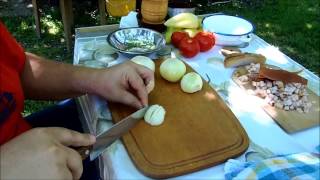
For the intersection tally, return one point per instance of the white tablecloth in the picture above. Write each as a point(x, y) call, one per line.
point(260, 127)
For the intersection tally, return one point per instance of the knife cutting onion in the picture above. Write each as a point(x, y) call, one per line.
point(191, 82)
point(172, 69)
point(155, 115)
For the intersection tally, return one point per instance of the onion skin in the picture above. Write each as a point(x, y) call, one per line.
point(172, 69)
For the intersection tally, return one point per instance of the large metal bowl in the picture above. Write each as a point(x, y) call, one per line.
point(136, 41)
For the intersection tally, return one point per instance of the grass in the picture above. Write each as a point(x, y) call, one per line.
point(293, 26)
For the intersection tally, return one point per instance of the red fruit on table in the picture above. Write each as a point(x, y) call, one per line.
point(176, 37)
point(206, 40)
point(189, 47)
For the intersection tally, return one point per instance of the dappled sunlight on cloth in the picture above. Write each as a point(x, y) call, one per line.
point(244, 103)
point(294, 166)
point(273, 54)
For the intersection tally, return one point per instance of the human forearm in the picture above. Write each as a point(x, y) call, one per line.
point(125, 83)
point(44, 79)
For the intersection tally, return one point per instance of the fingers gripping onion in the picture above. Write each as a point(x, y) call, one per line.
point(144, 61)
point(191, 82)
point(172, 69)
point(150, 86)
point(148, 63)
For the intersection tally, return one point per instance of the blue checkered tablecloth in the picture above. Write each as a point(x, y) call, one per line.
point(302, 166)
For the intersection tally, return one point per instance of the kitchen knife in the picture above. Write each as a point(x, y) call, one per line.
point(107, 138)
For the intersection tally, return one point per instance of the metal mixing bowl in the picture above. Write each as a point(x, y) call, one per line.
point(136, 41)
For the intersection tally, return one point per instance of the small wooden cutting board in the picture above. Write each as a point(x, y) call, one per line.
point(199, 131)
point(290, 121)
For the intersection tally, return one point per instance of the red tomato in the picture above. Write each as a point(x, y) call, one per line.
point(189, 47)
point(206, 40)
point(176, 37)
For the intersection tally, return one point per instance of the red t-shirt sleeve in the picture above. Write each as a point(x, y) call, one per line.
point(12, 60)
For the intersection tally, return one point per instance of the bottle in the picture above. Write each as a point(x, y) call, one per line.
point(179, 6)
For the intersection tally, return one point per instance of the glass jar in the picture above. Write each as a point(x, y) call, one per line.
point(120, 8)
point(154, 11)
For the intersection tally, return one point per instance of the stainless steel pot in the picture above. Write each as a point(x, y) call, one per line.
point(174, 11)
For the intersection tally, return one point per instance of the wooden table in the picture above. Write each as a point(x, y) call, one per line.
point(67, 18)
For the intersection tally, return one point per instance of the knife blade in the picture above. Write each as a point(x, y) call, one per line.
point(107, 138)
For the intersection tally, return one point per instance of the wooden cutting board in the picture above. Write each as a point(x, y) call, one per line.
point(290, 121)
point(199, 131)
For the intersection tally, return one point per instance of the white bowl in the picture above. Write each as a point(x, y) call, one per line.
point(229, 30)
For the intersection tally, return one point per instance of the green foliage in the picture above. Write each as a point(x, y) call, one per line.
point(293, 26)
point(51, 45)
point(34, 106)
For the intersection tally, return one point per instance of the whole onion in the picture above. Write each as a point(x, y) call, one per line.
point(191, 82)
point(172, 69)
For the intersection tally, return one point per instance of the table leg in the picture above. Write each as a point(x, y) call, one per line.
point(102, 11)
point(36, 17)
point(66, 12)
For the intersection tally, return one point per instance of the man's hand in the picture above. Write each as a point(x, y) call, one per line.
point(125, 83)
point(43, 153)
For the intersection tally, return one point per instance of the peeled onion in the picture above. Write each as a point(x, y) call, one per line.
point(148, 63)
point(150, 86)
point(155, 115)
point(144, 61)
point(172, 69)
point(191, 82)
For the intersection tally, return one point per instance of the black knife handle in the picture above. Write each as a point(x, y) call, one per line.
point(84, 151)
